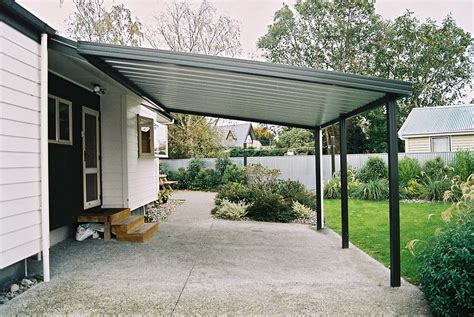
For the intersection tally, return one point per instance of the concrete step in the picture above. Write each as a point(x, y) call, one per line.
point(128, 225)
point(141, 234)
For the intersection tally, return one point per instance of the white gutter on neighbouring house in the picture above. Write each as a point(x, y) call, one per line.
point(44, 156)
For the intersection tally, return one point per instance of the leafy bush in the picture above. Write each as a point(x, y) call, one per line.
point(332, 189)
point(233, 192)
point(413, 190)
point(269, 206)
point(435, 168)
point(231, 210)
point(294, 191)
point(434, 186)
point(163, 195)
point(463, 164)
point(179, 176)
point(373, 190)
point(301, 210)
point(261, 175)
point(207, 179)
point(447, 269)
point(233, 174)
point(373, 170)
point(408, 169)
point(195, 165)
point(222, 163)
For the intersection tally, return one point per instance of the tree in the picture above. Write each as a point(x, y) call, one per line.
point(264, 135)
point(349, 36)
point(92, 22)
point(184, 29)
point(296, 138)
point(193, 136)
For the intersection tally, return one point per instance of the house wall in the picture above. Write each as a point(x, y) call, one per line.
point(113, 194)
point(465, 141)
point(20, 232)
point(142, 172)
point(417, 145)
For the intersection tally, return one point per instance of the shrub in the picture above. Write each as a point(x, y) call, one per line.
point(373, 170)
point(270, 206)
point(195, 165)
point(447, 270)
point(301, 210)
point(435, 168)
point(231, 210)
point(180, 177)
point(294, 191)
point(408, 169)
point(413, 190)
point(261, 175)
point(164, 195)
point(463, 164)
point(332, 189)
point(372, 190)
point(233, 192)
point(221, 164)
point(233, 174)
point(207, 179)
point(435, 186)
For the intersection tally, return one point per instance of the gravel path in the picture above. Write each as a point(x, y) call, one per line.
point(197, 265)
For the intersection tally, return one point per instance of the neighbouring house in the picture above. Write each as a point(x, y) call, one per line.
point(439, 129)
point(71, 138)
point(236, 135)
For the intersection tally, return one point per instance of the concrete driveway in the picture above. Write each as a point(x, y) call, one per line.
point(196, 265)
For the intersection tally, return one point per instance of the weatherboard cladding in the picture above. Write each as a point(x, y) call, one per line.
point(439, 120)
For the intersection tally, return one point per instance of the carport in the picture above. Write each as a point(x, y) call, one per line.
point(267, 93)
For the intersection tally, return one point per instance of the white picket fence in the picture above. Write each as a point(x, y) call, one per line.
point(301, 168)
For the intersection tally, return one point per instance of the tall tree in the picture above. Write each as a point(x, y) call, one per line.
point(264, 135)
point(193, 136)
point(349, 36)
point(183, 28)
point(91, 21)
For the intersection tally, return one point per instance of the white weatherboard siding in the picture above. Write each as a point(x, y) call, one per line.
point(20, 219)
point(142, 172)
point(112, 149)
point(465, 141)
point(417, 145)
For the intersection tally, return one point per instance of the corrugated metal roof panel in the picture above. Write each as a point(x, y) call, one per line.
point(438, 120)
point(241, 89)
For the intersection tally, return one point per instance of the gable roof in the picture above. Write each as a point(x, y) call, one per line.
point(438, 120)
point(240, 131)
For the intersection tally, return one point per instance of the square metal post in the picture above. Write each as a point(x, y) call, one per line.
point(344, 193)
point(394, 206)
point(318, 172)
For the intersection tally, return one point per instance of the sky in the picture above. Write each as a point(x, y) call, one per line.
point(256, 15)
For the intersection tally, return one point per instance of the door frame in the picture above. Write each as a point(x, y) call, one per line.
point(98, 201)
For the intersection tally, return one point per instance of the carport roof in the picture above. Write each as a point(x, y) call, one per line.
point(241, 89)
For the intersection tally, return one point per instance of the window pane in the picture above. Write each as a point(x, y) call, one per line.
point(440, 144)
point(51, 119)
point(64, 122)
point(146, 130)
point(90, 139)
point(91, 187)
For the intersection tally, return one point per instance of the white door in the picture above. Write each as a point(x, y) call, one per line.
point(91, 158)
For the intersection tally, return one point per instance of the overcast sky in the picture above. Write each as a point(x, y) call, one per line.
point(256, 15)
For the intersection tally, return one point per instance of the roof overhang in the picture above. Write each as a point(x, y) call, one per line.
point(241, 89)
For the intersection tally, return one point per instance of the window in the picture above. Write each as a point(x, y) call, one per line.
point(145, 136)
point(59, 120)
point(161, 140)
point(440, 144)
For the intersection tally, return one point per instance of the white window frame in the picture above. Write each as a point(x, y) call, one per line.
point(57, 140)
point(441, 137)
point(152, 137)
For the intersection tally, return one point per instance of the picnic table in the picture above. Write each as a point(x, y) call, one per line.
point(165, 183)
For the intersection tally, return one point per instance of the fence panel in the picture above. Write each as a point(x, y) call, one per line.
point(301, 168)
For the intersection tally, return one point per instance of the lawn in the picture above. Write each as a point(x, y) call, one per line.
point(369, 228)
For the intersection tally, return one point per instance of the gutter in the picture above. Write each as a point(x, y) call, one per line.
point(44, 156)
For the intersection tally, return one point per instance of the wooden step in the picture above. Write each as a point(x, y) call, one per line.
point(125, 213)
point(128, 225)
point(105, 215)
point(141, 234)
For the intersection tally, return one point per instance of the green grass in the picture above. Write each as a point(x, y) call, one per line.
point(369, 228)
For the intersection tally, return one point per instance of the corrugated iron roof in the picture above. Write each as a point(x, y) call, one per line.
point(438, 120)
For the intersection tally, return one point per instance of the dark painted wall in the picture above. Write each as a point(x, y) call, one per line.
point(65, 161)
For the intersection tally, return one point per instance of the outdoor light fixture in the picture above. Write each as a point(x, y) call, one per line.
point(99, 90)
